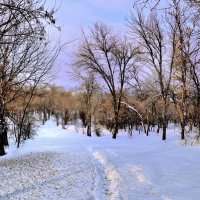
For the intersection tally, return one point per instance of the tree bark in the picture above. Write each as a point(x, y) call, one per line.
point(115, 131)
point(164, 134)
point(3, 133)
point(63, 123)
point(89, 126)
point(2, 150)
point(116, 113)
point(182, 131)
point(116, 127)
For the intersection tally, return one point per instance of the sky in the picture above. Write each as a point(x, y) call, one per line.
point(74, 15)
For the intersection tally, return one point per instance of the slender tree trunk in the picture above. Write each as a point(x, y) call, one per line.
point(182, 130)
point(116, 124)
point(148, 129)
point(20, 132)
point(164, 134)
point(48, 114)
point(116, 127)
point(198, 115)
point(89, 126)
point(115, 131)
point(198, 136)
point(66, 117)
point(3, 133)
point(44, 116)
point(63, 123)
point(19, 138)
point(145, 130)
point(43, 121)
point(158, 128)
point(57, 118)
point(2, 150)
point(3, 139)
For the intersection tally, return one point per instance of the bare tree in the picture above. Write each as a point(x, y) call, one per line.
point(103, 54)
point(89, 88)
point(151, 37)
point(36, 71)
point(186, 61)
point(24, 53)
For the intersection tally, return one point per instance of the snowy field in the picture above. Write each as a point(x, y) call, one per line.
point(65, 165)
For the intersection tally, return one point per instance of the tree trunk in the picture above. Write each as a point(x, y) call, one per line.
point(20, 133)
point(3, 137)
point(48, 114)
point(44, 116)
point(197, 116)
point(182, 131)
point(198, 135)
point(2, 150)
point(63, 123)
point(116, 125)
point(145, 130)
point(19, 139)
point(57, 119)
point(3, 134)
point(164, 134)
point(148, 129)
point(115, 131)
point(89, 126)
point(89, 134)
point(62, 115)
point(158, 128)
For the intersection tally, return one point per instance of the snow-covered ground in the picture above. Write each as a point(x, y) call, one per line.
point(65, 165)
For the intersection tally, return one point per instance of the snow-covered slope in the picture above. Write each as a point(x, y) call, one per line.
point(63, 164)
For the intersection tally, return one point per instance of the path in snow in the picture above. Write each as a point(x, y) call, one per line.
point(49, 176)
point(51, 167)
point(145, 168)
point(113, 180)
point(125, 181)
point(64, 165)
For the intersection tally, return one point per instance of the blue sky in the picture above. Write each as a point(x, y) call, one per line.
point(73, 15)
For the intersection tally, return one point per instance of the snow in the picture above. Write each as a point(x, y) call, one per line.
point(115, 181)
point(132, 108)
point(44, 176)
point(65, 164)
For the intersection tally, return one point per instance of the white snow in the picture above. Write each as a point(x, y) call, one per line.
point(63, 164)
point(115, 181)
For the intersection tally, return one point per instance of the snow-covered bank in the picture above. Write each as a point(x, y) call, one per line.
point(64, 164)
